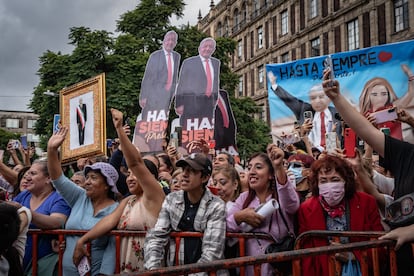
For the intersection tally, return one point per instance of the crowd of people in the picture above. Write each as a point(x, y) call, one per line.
point(308, 187)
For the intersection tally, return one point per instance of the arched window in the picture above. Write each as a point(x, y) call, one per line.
point(236, 18)
point(219, 30)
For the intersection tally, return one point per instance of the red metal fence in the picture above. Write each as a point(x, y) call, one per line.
point(211, 268)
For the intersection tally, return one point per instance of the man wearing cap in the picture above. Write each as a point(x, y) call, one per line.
point(195, 209)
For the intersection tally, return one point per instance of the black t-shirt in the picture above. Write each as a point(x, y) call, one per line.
point(399, 159)
point(192, 246)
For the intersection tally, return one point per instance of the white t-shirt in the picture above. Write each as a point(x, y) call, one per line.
point(384, 184)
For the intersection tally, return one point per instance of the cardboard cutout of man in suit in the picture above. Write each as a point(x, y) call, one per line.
point(224, 125)
point(197, 93)
point(157, 89)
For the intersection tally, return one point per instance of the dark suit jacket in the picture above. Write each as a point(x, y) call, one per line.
point(224, 136)
point(78, 119)
point(192, 86)
point(154, 81)
point(363, 214)
point(298, 107)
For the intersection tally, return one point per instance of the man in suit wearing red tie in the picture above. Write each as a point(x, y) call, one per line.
point(157, 89)
point(160, 78)
point(81, 117)
point(198, 87)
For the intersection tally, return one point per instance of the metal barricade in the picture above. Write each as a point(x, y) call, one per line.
point(212, 267)
point(118, 234)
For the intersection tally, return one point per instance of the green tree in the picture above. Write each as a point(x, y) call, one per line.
point(123, 59)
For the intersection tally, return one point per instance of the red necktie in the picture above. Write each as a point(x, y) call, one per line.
point(209, 81)
point(323, 129)
point(169, 77)
point(222, 106)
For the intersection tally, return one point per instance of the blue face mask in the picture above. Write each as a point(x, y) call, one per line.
point(296, 170)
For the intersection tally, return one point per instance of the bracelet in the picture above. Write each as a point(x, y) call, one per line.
point(411, 78)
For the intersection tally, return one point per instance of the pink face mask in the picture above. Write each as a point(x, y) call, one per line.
point(332, 192)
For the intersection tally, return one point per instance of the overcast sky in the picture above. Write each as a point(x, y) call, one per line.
point(28, 28)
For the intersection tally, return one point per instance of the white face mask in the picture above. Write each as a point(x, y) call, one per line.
point(332, 192)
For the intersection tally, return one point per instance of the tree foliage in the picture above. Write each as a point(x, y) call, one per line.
point(123, 59)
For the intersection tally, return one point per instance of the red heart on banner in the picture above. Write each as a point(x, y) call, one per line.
point(384, 56)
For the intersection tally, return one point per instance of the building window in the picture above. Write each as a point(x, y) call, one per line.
point(285, 57)
point(240, 90)
point(400, 15)
point(260, 71)
point(33, 138)
point(31, 123)
point(262, 113)
point(313, 8)
point(284, 22)
point(353, 35)
point(219, 30)
point(239, 49)
point(315, 47)
point(260, 37)
point(226, 28)
point(236, 17)
point(12, 123)
point(256, 5)
point(243, 14)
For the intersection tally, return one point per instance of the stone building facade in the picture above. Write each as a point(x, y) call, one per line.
point(276, 31)
point(19, 122)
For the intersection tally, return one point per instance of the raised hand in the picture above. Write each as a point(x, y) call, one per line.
point(276, 155)
point(56, 140)
point(332, 91)
point(117, 118)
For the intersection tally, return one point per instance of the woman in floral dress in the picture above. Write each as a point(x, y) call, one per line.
point(136, 212)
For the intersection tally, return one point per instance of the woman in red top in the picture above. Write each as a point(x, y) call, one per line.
point(335, 205)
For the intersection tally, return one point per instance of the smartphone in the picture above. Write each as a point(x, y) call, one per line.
point(385, 115)
point(126, 121)
point(350, 142)
point(328, 64)
point(84, 266)
point(291, 138)
point(14, 144)
point(179, 131)
point(308, 115)
point(330, 142)
point(23, 140)
point(174, 139)
point(108, 143)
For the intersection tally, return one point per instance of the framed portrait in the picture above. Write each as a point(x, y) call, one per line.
point(83, 111)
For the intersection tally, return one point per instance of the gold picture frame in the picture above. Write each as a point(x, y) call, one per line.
point(83, 111)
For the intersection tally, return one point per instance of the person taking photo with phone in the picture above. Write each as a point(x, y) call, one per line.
point(398, 156)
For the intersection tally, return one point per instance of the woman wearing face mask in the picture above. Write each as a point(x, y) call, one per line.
point(298, 166)
point(335, 205)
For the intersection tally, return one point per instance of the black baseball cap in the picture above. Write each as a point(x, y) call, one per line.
point(197, 161)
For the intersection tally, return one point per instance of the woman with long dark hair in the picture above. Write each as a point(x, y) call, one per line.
point(267, 180)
